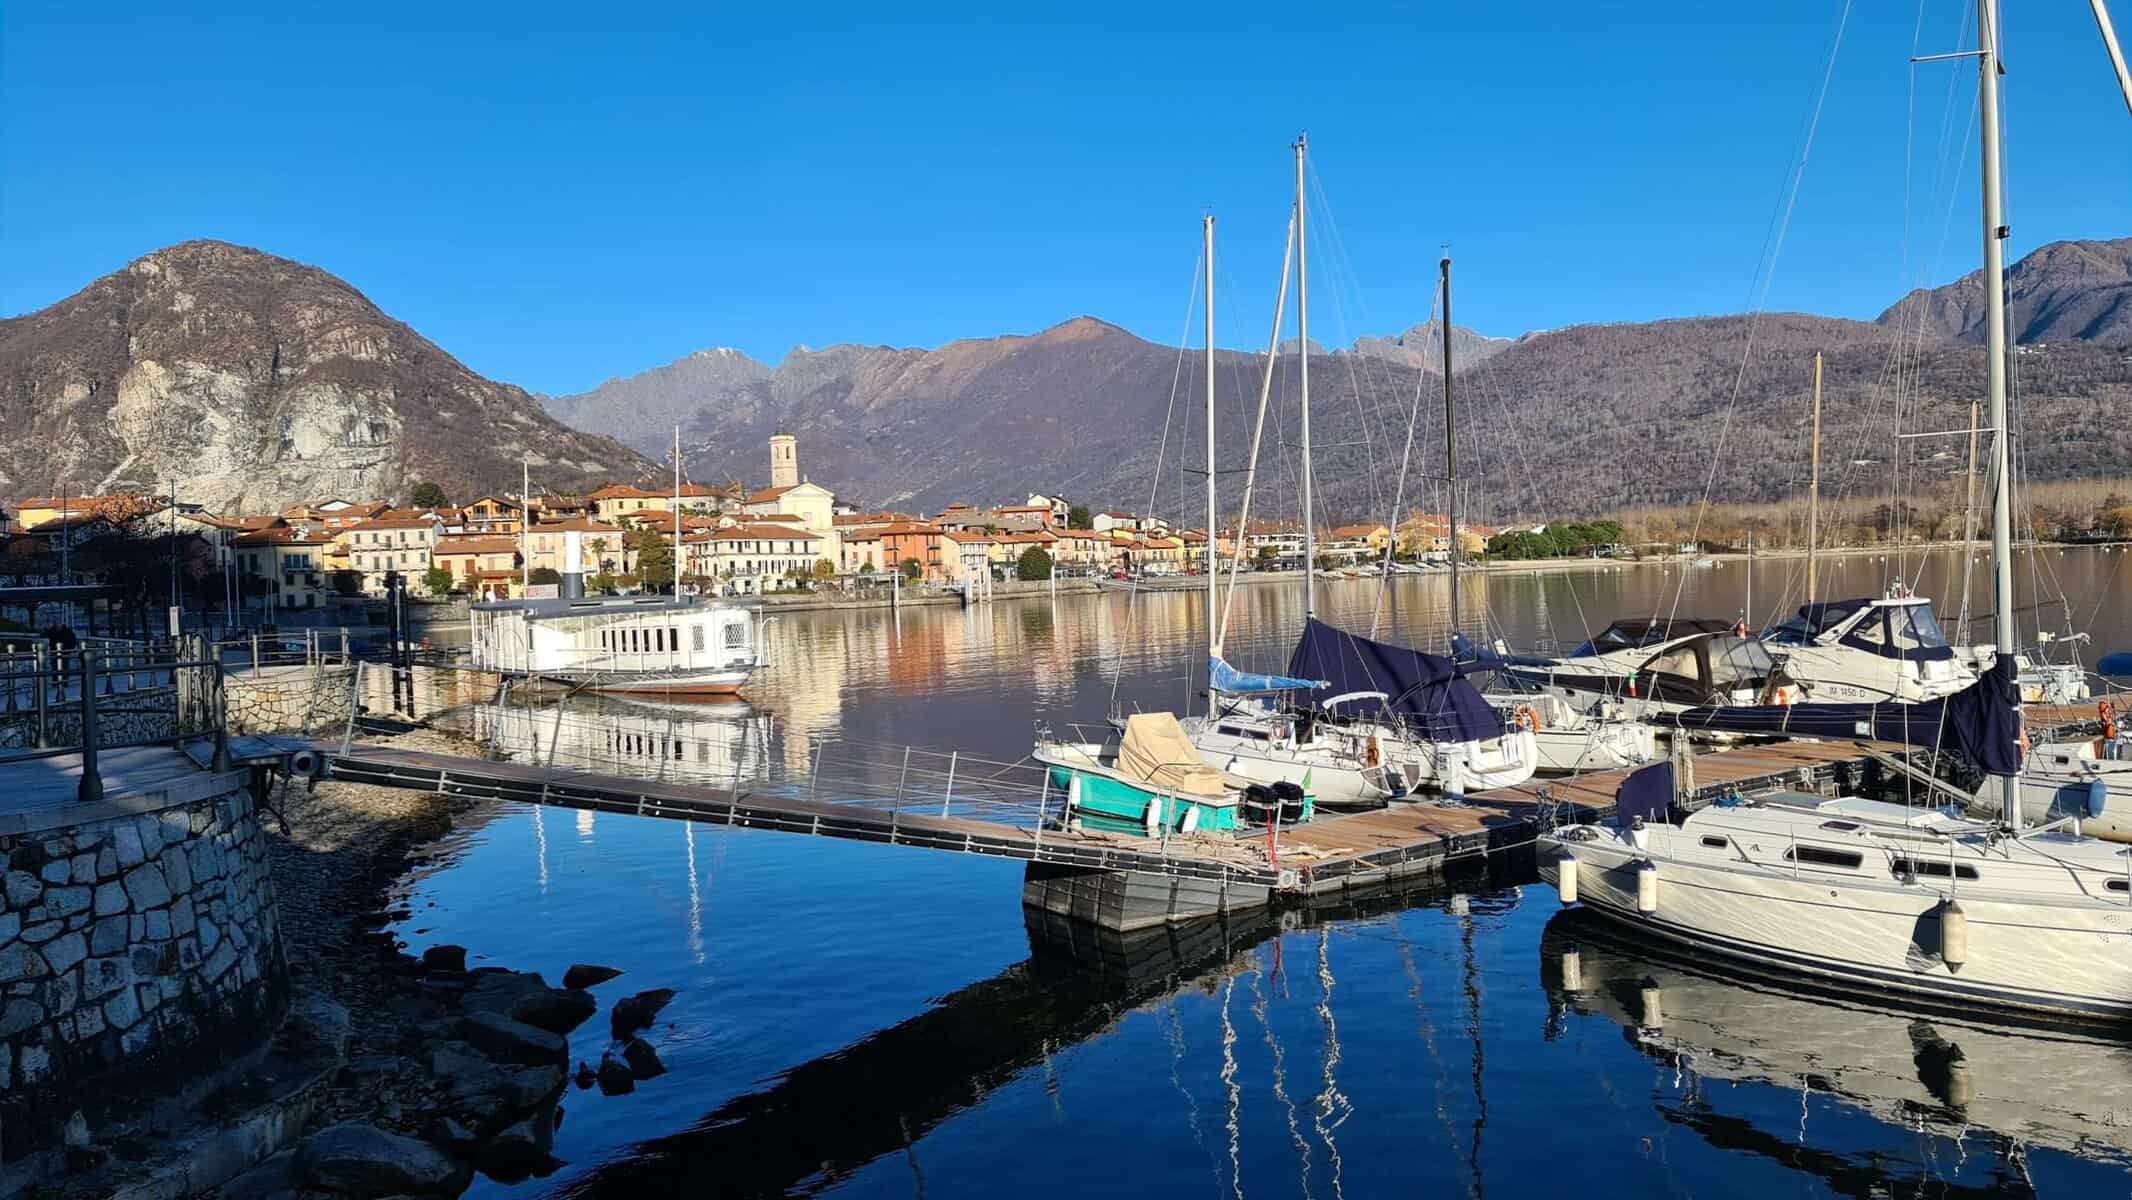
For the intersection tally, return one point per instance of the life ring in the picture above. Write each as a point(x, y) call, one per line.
point(2108, 714)
point(1527, 717)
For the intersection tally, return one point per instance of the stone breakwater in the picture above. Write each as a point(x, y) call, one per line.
point(140, 944)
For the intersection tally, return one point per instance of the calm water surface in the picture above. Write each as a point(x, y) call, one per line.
point(861, 1020)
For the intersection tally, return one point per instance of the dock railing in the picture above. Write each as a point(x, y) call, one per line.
point(103, 694)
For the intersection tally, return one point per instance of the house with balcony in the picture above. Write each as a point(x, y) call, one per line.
point(282, 566)
point(398, 541)
point(483, 566)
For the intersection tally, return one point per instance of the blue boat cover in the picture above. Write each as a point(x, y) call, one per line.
point(1981, 724)
point(2119, 663)
point(1486, 659)
point(1646, 793)
point(1428, 690)
point(1228, 680)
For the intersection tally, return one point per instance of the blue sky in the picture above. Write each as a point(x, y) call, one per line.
point(559, 194)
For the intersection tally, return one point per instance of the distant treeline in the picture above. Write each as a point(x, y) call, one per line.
point(2059, 510)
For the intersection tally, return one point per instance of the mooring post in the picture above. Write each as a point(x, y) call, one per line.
point(221, 720)
point(255, 650)
point(42, 685)
point(91, 789)
point(948, 799)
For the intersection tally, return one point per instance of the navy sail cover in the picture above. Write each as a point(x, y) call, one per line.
point(1428, 690)
point(1981, 724)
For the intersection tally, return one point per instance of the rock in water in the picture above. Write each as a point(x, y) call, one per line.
point(615, 1076)
point(634, 1014)
point(585, 975)
point(642, 1059)
point(521, 1149)
point(554, 1009)
point(367, 1161)
point(445, 958)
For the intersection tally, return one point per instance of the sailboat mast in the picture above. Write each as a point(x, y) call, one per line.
point(1969, 518)
point(677, 510)
point(1813, 488)
point(1450, 442)
point(525, 523)
point(2002, 512)
point(1213, 577)
point(1302, 337)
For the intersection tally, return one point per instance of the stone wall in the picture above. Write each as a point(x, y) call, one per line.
point(136, 942)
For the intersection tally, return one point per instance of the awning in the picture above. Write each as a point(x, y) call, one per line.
point(1429, 691)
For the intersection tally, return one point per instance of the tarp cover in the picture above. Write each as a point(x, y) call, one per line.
point(1981, 724)
point(1156, 753)
point(1229, 680)
point(1646, 793)
point(1428, 690)
point(1486, 658)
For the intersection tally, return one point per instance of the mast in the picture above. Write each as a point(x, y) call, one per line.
point(1450, 442)
point(525, 523)
point(1302, 337)
point(1206, 233)
point(1969, 518)
point(1813, 487)
point(1995, 232)
point(676, 585)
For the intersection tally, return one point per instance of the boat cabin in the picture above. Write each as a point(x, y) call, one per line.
point(645, 634)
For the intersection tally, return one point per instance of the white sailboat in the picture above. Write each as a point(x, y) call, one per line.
point(1407, 723)
point(1921, 901)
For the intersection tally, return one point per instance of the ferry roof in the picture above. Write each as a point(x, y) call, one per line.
point(545, 609)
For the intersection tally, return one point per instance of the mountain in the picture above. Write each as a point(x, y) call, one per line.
point(1566, 422)
point(2061, 292)
point(255, 382)
point(1423, 346)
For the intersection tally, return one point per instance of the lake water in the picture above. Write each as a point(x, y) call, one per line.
point(860, 1020)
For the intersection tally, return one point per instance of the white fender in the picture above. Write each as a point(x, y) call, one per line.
point(1954, 934)
point(1154, 816)
point(1647, 887)
point(1189, 823)
point(1566, 878)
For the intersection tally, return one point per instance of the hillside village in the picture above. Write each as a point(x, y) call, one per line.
point(729, 539)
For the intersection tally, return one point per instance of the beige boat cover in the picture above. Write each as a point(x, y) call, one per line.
point(1156, 753)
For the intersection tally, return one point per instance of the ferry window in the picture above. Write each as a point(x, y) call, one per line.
point(658, 638)
point(673, 637)
point(736, 636)
point(2117, 885)
point(695, 637)
point(1933, 867)
point(1716, 843)
point(1821, 856)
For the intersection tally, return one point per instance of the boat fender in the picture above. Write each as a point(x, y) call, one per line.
point(1189, 823)
point(2098, 799)
point(1566, 878)
point(1073, 792)
point(1154, 816)
point(1954, 934)
point(1647, 887)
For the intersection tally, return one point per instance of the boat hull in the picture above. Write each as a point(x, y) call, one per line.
point(653, 683)
point(1884, 938)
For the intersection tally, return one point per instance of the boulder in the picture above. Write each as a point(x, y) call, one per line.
point(554, 1009)
point(445, 958)
point(642, 1059)
point(508, 1040)
point(615, 1077)
point(492, 990)
point(585, 975)
point(634, 1014)
point(365, 1160)
point(521, 1148)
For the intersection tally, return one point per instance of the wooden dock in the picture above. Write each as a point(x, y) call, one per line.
point(1127, 882)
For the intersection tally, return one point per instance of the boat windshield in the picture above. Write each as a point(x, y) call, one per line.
point(1913, 626)
point(1640, 632)
point(1739, 660)
point(1813, 620)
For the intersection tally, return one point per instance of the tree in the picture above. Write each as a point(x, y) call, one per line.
point(912, 569)
point(439, 580)
point(824, 570)
point(428, 495)
point(604, 583)
point(1034, 564)
point(1077, 518)
point(544, 575)
point(1265, 554)
point(346, 583)
point(655, 559)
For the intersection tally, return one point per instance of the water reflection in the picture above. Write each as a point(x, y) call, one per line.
point(819, 1123)
point(1957, 1104)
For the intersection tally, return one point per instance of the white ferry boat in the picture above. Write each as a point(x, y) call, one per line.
point(636, 645)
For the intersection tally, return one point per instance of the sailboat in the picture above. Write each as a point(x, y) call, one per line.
point(1362, 721)
point(1146, 775)
point(1921, 901)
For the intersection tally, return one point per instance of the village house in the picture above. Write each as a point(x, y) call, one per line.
point(578, 545)
point(398, 541)
point(1008, 548)
point(483, 566)
point(1084, 550)
point(748, 559)
point(971, 557)
point(493, 515)
point(617, 500)
point(888, 547)
point(284, 565)
point(1061, 508)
